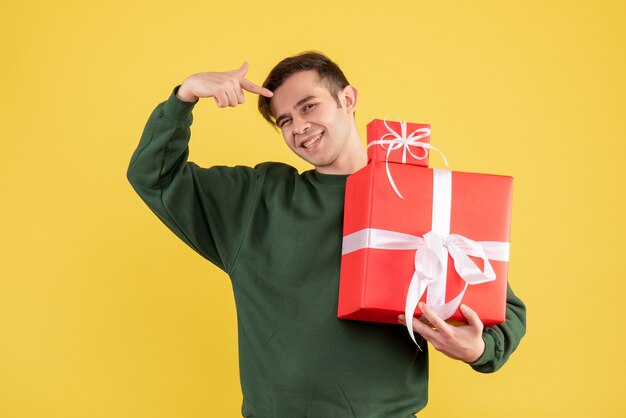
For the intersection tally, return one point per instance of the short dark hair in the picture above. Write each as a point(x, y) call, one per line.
point(328, 72)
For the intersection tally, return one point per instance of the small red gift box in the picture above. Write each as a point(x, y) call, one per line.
point(398, 142)
point(446, 221)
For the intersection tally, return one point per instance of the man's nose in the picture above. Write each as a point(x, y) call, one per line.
point(300, 126)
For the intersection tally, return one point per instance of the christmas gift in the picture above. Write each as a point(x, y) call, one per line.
point(413, 233)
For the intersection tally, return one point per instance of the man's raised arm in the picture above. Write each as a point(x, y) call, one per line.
point(204, 207)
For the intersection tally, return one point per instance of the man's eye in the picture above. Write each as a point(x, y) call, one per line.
point(284, 123)
point(308, 106)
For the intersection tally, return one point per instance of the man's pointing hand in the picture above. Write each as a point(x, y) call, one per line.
point(226, 87)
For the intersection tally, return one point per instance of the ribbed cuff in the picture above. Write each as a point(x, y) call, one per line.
point(177, 111)
point(488, 354)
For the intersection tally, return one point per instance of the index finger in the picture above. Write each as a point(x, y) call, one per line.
point(253, 88)
point(434, 319)
point(424, 330)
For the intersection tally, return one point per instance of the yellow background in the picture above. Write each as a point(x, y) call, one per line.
point(104, 313)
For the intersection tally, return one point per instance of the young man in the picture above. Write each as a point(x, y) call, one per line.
point(278, 233)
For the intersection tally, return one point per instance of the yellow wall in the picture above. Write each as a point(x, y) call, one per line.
point(104, 313)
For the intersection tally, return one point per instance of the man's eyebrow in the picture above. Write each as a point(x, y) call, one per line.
point(283, 116)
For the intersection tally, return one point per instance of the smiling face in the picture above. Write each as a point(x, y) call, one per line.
point(315, 127)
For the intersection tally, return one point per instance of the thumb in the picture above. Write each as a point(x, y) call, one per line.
point(472, 317)
point(241, 71)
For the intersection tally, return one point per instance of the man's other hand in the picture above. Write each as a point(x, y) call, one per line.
point(458, 342)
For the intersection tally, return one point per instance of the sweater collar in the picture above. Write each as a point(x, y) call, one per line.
point(339, 179)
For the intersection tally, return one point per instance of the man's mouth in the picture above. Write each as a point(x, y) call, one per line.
point(310, 142)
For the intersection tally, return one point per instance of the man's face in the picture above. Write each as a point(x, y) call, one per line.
point(313, 125)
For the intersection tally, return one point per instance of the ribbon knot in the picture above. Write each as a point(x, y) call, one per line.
point(428, 257)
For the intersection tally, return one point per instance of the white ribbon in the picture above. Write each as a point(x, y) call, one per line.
point(402, 140)
point(431, 255)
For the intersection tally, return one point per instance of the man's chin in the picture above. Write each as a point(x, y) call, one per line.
point(313, 161)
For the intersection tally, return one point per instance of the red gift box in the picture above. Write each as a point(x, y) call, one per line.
point(398, 142)
point(390, 243)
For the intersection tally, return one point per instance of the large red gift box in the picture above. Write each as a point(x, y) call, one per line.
point(389, 243)
point(383, 144)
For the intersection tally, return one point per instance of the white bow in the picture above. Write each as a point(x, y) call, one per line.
point(402, 140)
point(431, 265)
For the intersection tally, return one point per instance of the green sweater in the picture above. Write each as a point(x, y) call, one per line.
point(277, 234)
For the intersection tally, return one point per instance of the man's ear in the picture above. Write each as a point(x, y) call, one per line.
point(349, 96)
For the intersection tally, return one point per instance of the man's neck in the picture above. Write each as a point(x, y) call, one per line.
point(354, 158)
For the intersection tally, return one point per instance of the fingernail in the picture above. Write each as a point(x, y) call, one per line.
point(420, 305)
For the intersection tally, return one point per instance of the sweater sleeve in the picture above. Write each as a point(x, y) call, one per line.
point(208, 208)
point(502, 339)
